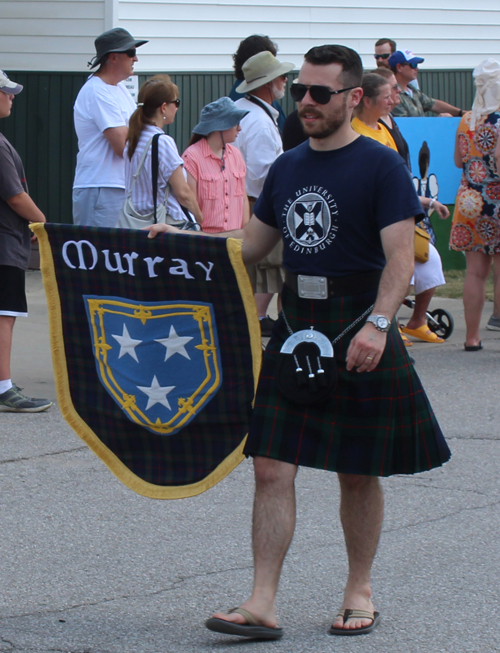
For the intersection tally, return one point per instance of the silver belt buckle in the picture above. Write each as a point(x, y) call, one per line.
point(312, 287)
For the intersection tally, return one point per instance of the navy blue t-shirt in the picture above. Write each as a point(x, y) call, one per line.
point(330, 206)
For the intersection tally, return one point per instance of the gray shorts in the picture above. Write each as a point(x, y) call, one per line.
point(97, 207)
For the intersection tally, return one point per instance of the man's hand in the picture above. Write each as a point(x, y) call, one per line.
point(366, 349)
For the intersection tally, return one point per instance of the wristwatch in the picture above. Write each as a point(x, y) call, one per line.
point(380, 322)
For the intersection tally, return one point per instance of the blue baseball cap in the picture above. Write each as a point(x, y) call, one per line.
point(404, 57)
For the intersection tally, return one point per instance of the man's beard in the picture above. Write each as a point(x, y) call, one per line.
point(330, 124)
point(278, 94)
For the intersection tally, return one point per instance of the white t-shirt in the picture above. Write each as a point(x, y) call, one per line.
point(100, 106)
point(259, 141)
point(168, 161)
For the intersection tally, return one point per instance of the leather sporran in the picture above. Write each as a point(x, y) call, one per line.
point(306, 373)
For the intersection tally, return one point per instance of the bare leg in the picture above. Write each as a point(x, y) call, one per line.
point(262, 300)
point(422, 301)
point(478, 267)
point(272, 531)
point(6, 329)
point(361, 514)
point(496, 285)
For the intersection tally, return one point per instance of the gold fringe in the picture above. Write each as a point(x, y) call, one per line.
point(121, 471)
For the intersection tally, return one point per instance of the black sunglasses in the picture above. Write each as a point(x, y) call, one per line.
point(382, 56)
point(176, 102)
point(412, 65)
point(130, 53)
point(320, 94)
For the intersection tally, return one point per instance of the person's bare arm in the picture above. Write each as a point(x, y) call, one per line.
point(184, 194)
point(258, 238)
point(25, 208)
point(443, 107)
point(497, 156)
point(368, 344)
point(246, 211)
point(433, 205)
point(192, 183)
point(117, 137)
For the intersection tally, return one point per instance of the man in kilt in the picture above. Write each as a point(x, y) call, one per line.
point(345, 208)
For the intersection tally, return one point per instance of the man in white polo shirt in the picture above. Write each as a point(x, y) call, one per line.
point(259, 141)
point(101, 114)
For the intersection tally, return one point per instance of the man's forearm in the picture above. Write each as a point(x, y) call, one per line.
point(394, 282)
point(443, 107)
point(25, 208)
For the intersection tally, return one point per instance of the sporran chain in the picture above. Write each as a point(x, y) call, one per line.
point(351, 326)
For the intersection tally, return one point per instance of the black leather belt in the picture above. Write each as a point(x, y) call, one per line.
point(325, 287)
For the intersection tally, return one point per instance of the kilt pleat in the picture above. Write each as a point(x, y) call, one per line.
point(378, 423)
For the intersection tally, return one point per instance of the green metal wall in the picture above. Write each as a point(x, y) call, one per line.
point(41, 124)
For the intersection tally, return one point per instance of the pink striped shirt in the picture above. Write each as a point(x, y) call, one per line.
point(220, 193)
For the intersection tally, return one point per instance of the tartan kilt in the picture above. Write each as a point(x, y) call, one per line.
point(377, 423)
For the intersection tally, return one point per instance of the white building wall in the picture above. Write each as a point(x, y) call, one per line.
point(201, 35)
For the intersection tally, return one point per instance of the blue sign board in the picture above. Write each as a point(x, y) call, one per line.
point(433, 140)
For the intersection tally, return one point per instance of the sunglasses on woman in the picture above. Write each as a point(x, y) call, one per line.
point(176, 102)
point(320, 94)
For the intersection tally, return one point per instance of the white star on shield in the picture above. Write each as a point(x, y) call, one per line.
point(127, 344)
point(175, 344)
point(156, 394)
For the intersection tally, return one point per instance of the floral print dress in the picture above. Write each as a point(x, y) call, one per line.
point(476, 221)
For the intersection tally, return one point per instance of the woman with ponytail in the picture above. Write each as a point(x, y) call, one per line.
point(216, 170)
point(157, 107)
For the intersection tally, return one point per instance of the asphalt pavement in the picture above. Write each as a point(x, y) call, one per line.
point(87, 566)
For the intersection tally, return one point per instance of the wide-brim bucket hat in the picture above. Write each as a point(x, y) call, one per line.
point(8, 86)
point(261, 69)
point(218, 116)
point(114, 40)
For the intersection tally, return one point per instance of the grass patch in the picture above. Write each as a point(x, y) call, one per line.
point(455, 285)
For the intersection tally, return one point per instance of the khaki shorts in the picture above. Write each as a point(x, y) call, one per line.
point(267, 276)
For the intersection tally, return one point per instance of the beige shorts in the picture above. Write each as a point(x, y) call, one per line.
point(267, 276)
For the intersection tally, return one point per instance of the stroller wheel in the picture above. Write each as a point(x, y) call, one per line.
point(440, 322)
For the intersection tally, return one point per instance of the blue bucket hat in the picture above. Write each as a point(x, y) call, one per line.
point(218, 116)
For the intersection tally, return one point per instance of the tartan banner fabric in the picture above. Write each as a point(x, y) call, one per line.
point(156, 350)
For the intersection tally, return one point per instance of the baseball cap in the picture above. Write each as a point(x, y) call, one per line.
point(8, 86)
point(404, 57)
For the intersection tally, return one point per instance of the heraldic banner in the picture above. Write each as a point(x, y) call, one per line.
point(156, 350)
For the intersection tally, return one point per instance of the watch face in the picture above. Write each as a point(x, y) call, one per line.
point(382, 322)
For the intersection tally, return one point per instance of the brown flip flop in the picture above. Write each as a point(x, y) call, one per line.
point(356, 614)
point(253, 628)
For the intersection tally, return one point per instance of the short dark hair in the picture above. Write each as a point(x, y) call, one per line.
point(392, 43)
point(352, 67)
point(250, 46)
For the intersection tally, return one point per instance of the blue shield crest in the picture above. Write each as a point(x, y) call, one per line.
point(159, 361)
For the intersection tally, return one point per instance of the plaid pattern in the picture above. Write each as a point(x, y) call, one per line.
point(413, 106)
point(378, 423)
point(190, 455)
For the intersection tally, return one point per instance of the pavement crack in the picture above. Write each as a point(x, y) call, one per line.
point(430, 486)
point(441, 518)
point(175, 584)
point(42, 455)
